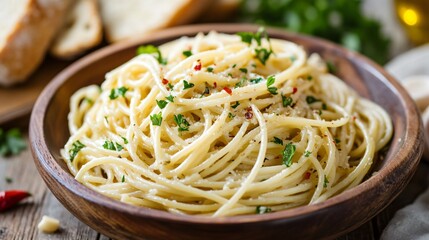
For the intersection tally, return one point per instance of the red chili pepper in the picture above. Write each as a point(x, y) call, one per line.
point(10, 198)
point(227, 90)
point(198, 66)
point(307, 175)
point(214, 84)
point(164, 81)
point(294, 90)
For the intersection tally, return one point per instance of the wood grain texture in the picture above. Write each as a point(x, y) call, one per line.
point(18, 100)
point(21, 221)
point(349, 210)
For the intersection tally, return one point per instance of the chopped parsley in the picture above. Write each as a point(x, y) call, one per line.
point(170, 98)
point(270, 81)
point(324, 106)
point(187, 53)
point(286, 101)
point(170, 86)
point(263, 209)
point(161, 103)
point(11, 142)
point(307, 153)
point(156, 119)
point(243, 70)
point(331, 67)
point(123, 178)
point(256, 80)
point(116, 92)
point(230, 115)
point(209, 69)
point(234, 65)
point(125, 140)
point(337, 140)
point(262, 54)
point(110, 145)
point(76, 147)
point(8, 180)
point(187, 85)
point(325, 182)
point(287, 154)
point(309, 77)
point(181, 123)
point(278, 141)
point(105, 118)
point(311, 99)
point(241, 82)
point(237, 103)
point(150, 49)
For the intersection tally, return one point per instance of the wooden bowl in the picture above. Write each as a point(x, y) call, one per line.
point(331, 218)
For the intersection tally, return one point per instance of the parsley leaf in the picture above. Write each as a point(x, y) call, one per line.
point(311, 99)
point(161, 103)
point(156, 119)
point(270, 81)
point(286, 101)
point(150, 49)
point(123, 178)
point(125, 140)
point(187, 53)
point(11, 142)
point(243, 70)
point(246, 37)
point(76, 147)
point(110, 145)
point(262, 54)
point(230, 115)
point(307, 153)
point(278, 141)
point(170, 98)
point(237, 103)
point(116, 92)
point(256, 80)
point(187, 85)
point(263, 209)
point(209, 69)
point(325, 182)
point(287, 154)
point(181, 122)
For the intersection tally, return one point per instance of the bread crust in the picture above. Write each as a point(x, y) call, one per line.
point(27, 43)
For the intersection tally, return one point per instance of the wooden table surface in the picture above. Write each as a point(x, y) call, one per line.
point(21, 222)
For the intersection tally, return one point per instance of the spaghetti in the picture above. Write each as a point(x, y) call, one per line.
point(223, 125)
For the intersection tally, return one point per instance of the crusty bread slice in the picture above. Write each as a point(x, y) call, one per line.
point(82, 30)
point(26, 30)
point(130, 18)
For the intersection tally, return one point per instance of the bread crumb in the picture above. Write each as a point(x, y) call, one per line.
point(48, 224)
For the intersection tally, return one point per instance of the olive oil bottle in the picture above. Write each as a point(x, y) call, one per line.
point(414, 16)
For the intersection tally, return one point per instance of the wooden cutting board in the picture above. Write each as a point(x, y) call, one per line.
point(17, 101)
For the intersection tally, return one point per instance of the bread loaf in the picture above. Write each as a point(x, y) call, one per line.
point(26, 30)
point(82, 30)
point(130, 18)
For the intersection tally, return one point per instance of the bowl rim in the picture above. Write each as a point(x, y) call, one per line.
point(46, 160)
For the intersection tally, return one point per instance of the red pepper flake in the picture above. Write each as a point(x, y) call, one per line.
point(198, 66)
point(307, 175)
point(227, 90)
point(214, 84)
point(294, 90)
point(354, 118)
point(249, 113)
point(10, 198)
point(164, 81)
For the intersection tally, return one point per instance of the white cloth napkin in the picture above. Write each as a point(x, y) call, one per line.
point(411, 222)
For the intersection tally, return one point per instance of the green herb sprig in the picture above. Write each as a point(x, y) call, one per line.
point(181, 122)
point(287, 154)
point(11, 142)
point(76, 147)
point(151, 49)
